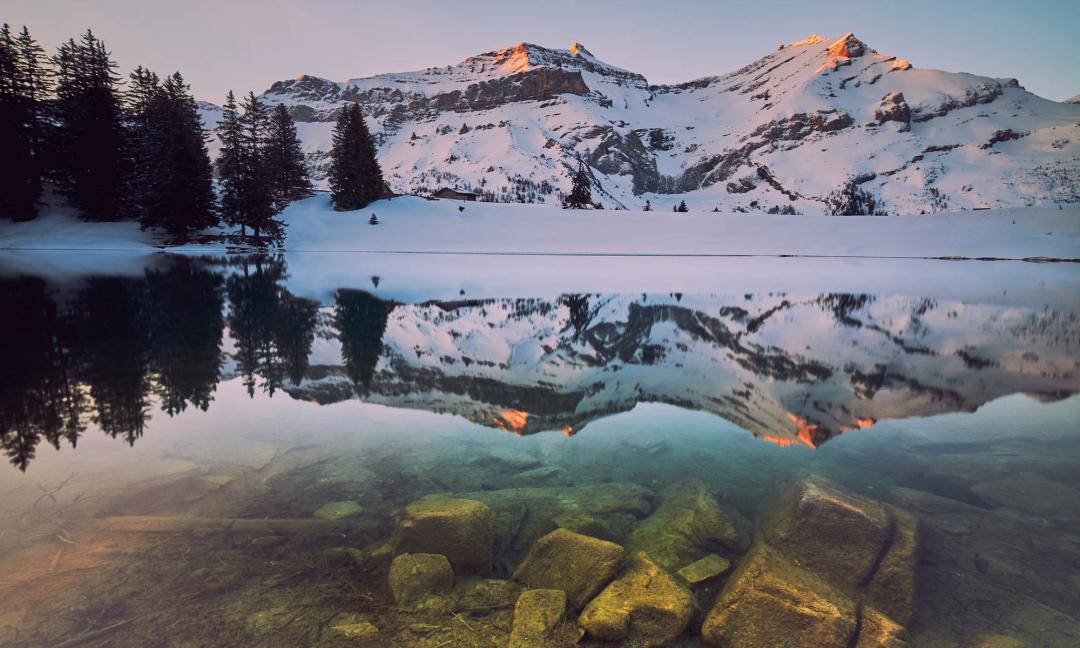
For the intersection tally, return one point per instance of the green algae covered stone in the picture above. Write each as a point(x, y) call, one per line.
point(413, 577)
point(537, 616)
point(645, 604)
point(571, 562)
point(460, 529)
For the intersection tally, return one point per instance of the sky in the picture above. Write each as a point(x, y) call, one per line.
point(248, 44)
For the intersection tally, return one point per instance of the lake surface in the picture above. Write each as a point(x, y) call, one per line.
point(221, 451)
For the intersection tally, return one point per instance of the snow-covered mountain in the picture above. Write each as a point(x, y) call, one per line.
point(788, 368)
point(785, 130)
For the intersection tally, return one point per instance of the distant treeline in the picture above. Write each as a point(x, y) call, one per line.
point(137, 150)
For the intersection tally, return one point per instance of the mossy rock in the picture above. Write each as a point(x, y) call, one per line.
point(460, 529)
point(583, 523)
point(769, 602)
point(414, 577)
point(645, 604)
point(687, 522)
point(571, 562)
point(705, 569)
point(832, 532)
point(537, 616)
point(892, 589)
point(337, 510)
point(879, 631)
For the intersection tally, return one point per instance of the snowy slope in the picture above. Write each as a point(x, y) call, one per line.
point(785, 130)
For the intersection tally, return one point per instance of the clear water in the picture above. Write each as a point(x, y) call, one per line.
point(192, 443)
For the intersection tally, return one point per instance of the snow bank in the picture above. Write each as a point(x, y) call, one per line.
point(410, 224)
point(416, 225)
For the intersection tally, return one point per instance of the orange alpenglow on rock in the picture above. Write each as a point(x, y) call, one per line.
point(512, 421)
point(804, 430)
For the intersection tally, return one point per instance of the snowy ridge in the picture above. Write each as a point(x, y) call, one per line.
point(783, 131)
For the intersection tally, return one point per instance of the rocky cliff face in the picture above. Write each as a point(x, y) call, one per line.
point(783, 131)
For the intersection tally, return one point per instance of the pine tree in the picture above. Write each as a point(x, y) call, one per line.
point(284, 160)
point(682, 208)
point(581, 192)
point(355, 175)
point(143, 88)
point(89, 143)
point(24, 84)
point(230, 132)
point(256, 204)
point(176, 180)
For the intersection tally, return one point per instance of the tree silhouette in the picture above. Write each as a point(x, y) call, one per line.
point(39, 398)
point(361, 321)
point(112, 342)
point(185, 319)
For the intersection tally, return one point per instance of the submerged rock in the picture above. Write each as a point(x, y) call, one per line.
point(537, 616)
point(866, 548)
point(484, 593)
point(414, 577)
point(892, 587)
point(994, 641)
point(337, 510)
point(583, 523)
point(704, 569)
point(644, 604)
point(879, 631)
point(770, 602)
point(571, 562)
point(460, 529)
point(688, 521)
point(829, 531)
point(523, 515)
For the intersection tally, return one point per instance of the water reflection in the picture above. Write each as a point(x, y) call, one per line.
point(791, 369)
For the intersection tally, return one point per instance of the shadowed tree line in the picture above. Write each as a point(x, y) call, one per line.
point(111, 350)
point(135, 150)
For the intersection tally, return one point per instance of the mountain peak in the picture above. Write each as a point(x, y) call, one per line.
point(847, 46)
point(579, 49)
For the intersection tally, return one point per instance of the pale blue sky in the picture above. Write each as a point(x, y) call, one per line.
point(249, 44)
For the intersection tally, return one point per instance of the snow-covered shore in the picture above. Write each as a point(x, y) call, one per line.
point(416, 225)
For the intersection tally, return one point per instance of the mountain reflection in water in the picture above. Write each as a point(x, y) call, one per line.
point(789, 368)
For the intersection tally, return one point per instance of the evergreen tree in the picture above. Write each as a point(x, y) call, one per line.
point(355, 175)
point(284, 160)
point(143, 88)
point(246, 199)
point(175, 184)
point(256, 205)
point(682, 208)
point(648, 206)
point(581, 192)
point(89, 138)
point(24, 83)
point(230, 132)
